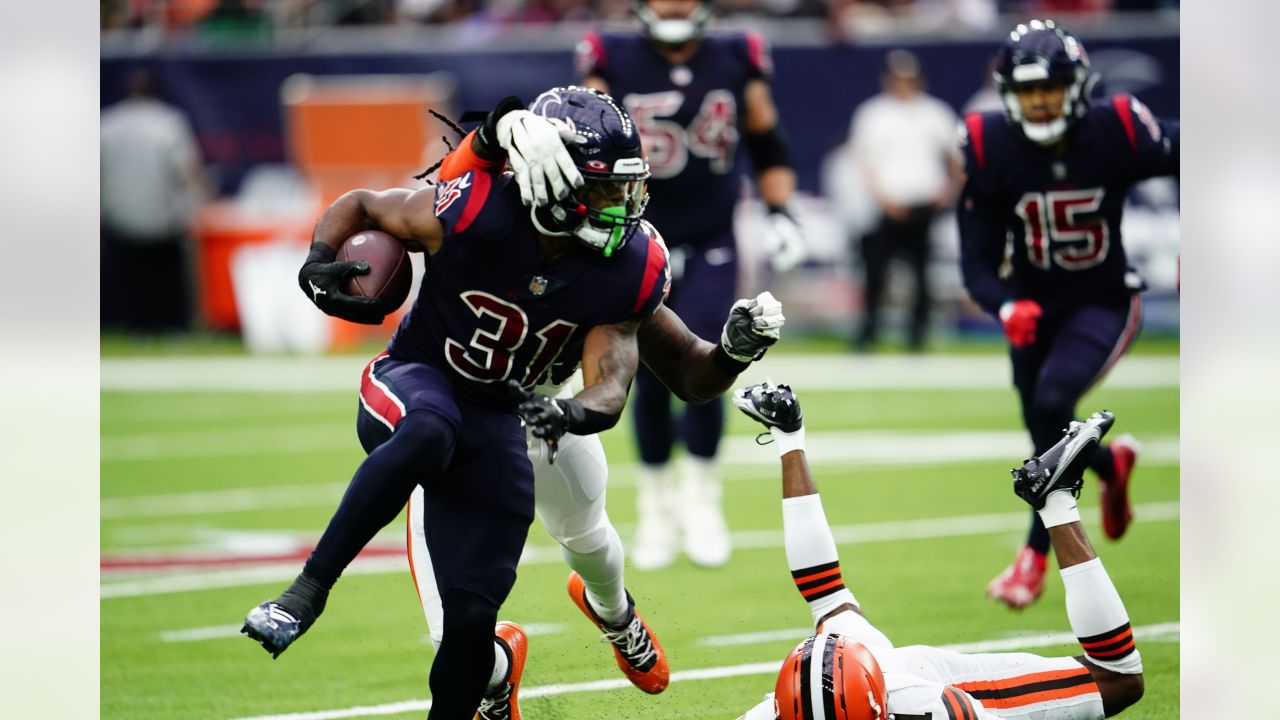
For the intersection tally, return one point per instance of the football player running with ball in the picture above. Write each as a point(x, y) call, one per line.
point(1052, 173)
point(510, 294)
point(570, 485)
point(849, 670)
point(695, 97)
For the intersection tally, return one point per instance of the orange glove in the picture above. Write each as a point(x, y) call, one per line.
point(1019, 318)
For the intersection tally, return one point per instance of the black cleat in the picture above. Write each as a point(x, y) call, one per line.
point(1061, 467)
point(774, 406)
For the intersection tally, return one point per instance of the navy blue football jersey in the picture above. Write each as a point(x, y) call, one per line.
point(688, 117)
point(1061, 214)
point(489, 309)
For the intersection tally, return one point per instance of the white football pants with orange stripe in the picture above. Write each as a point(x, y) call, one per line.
point(569, 498)
point(924, 681)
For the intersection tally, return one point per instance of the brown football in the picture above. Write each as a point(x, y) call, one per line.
point(390, 273)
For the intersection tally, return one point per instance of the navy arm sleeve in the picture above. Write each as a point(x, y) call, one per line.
point(1156, 142)
point(982, 242)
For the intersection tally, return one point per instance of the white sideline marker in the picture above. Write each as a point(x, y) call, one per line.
point(1160, 632)
point(219, 632)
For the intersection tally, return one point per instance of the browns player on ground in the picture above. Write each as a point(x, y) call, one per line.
point(850, 670)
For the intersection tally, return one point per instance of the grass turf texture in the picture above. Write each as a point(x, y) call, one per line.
point(370, 647)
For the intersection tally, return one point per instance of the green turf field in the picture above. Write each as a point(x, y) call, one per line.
point(242, 473)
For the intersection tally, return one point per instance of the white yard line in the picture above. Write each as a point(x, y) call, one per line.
point(1160, 632)
point(219, 632)
point(959, 526)
point(820, 372)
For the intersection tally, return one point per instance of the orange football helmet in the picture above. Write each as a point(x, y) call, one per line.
point(832, 677)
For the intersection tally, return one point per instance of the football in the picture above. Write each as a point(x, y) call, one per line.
point(390, 273)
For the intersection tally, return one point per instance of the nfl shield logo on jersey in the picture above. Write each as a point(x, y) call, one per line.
point(538, 285)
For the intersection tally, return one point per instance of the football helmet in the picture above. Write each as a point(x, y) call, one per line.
point(674, 31)
point(834, 673)
point(605, 212)
point(1040, 52)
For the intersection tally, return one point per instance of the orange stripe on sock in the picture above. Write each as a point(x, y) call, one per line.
point(1039, 697)
point(813, 591)
point(1111, 653)
point(1127, 635)
point(818, 576)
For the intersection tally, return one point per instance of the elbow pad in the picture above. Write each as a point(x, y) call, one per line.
point(768, 149)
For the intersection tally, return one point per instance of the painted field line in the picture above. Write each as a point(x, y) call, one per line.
point(957, 526)
point(1163, 631)
point(820, 372)
point(219, 632)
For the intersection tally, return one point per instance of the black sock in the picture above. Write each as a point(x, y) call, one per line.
point(304, 599)
point(1103, 463)
point(1038, 535)
point(460, 672)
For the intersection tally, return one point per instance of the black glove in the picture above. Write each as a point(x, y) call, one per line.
point(546, 417)
point(753, 326)
point(487, 133)
point(321, 279)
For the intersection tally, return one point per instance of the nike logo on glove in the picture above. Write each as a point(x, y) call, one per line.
point(316, 292)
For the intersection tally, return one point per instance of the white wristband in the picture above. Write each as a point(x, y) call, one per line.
point(787, 441)
point(1059, 509)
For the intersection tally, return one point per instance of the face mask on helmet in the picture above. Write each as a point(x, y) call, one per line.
point(1039, 53)
point(674, 31)
point(606, 210)
point(830, 671)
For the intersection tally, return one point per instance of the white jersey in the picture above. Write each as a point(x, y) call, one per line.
point(929, 683)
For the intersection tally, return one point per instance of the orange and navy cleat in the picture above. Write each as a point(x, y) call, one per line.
point(636, 648)
point(1116, 511)
point(1022, 582)
point(504, 704)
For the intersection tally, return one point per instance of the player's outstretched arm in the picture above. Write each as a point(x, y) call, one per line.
point(770, 155)
point(698, 371)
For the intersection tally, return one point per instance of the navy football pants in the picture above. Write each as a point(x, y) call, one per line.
point(701, 294)
point(478, 503)
point(1075, 347)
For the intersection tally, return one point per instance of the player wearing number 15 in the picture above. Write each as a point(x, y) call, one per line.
point(695, 97)
point(1052, 172)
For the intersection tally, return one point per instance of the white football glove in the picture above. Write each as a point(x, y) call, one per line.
point(535, 146)
point(784, 241)
point(753, 326)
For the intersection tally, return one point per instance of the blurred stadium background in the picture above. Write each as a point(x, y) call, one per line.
point(293, 102)
point(226, 446)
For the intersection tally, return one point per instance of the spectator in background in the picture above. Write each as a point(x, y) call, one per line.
point(151, 180)
point(901, 140)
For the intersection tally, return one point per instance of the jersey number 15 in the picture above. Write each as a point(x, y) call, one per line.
point(1062, 227)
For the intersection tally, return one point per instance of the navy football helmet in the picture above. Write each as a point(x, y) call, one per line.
point(1039, 52)
point(674, 31)
point(606, 210)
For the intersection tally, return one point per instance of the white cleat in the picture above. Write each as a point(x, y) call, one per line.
point(706, 533)
point(657, 535)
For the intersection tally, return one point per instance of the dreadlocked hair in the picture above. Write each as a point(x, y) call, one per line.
point(452, 126)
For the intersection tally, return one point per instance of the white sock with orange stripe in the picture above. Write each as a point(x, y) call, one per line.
point(1098, 618)
point(811, 555)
